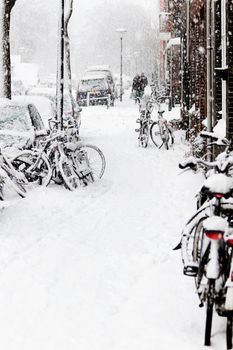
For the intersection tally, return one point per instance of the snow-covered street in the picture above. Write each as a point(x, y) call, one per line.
point(94, 269)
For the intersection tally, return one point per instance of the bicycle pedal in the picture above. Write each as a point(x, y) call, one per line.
point(137, 130)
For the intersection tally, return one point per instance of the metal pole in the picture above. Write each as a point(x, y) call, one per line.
point(171, 80)
point(62, 61)
point(209, 66)
point(224, 61)
point(213, 10)
point(187, 68)
point(121, 82)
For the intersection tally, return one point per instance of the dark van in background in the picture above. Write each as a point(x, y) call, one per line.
point(94, 89)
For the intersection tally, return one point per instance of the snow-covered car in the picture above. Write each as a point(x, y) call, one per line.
point(21, 126)
point(50, 93)
point(44, 106)
point(94, 89)
point(103, 70)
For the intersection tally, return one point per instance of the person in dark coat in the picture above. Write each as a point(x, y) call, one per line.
point(143, 81)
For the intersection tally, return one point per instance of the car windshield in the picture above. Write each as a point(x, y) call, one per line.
point(15, 118)
point(93, 83)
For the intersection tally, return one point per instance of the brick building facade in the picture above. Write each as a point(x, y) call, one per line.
point(205, 65)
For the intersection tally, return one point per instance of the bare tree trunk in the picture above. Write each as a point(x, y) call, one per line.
point(60, 67)
point(5, 60)
point(67, 51)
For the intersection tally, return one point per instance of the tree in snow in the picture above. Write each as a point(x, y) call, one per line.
point(64, 59)
point(5, 61)
point(68, 14)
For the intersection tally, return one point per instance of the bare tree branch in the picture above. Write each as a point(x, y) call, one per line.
point(69, 12)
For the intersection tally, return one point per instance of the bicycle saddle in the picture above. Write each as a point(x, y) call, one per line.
point(161, 112)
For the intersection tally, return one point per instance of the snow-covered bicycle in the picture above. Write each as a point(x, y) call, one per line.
point(144, 123)
point(88, 160)
point(62, 159)
point(161, 132)
point(207, 243)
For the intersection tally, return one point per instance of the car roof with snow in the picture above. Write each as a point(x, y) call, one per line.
point(49, 92)
point(19, 122)
point(93, 76)
point(102, 67)
point(43, 104)
point(7, 102)
point(42, 90)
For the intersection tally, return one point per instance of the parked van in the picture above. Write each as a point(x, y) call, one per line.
point(104, 70)
point(94, 89)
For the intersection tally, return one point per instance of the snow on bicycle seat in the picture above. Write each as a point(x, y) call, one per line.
point(161, 112)
point(215, 224)
point(218, 185)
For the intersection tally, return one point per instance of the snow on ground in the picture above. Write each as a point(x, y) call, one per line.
point(94, 269)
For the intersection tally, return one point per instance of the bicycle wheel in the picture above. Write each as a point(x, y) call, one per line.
point(165, 142)
point(34, 169)
point(155, 135)
point(209, 310)
point(198, 240)
point(68, 174)
point(1, 188)
point(90, 159)
point(166, 137)
point(144, 135)
point(229, 332)
point(11, 182)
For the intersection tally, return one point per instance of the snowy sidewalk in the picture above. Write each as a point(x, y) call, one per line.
point(94, 269)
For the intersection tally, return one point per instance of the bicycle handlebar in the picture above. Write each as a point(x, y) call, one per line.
point(188, 164)
point(221, 168)
point(216, 140)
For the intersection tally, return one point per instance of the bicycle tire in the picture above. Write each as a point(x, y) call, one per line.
point(144, 135)
point(198, 239)
point(166, 145)
point(93, 157)
point(209, 311)
point(41, 174)
point(68, 174)
point(1, 188)
point(83, 172)
point(155, 135)
point(166, 137)
point(229, 332)
point(12, 183)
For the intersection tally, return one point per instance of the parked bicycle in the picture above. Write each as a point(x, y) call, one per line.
point(88, 160)
point(161, 132)
point(62, 159)
point(207, 244)
point(144, 123)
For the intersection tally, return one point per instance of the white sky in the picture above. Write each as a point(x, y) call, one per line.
point(82, 20)
point(84, 5)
